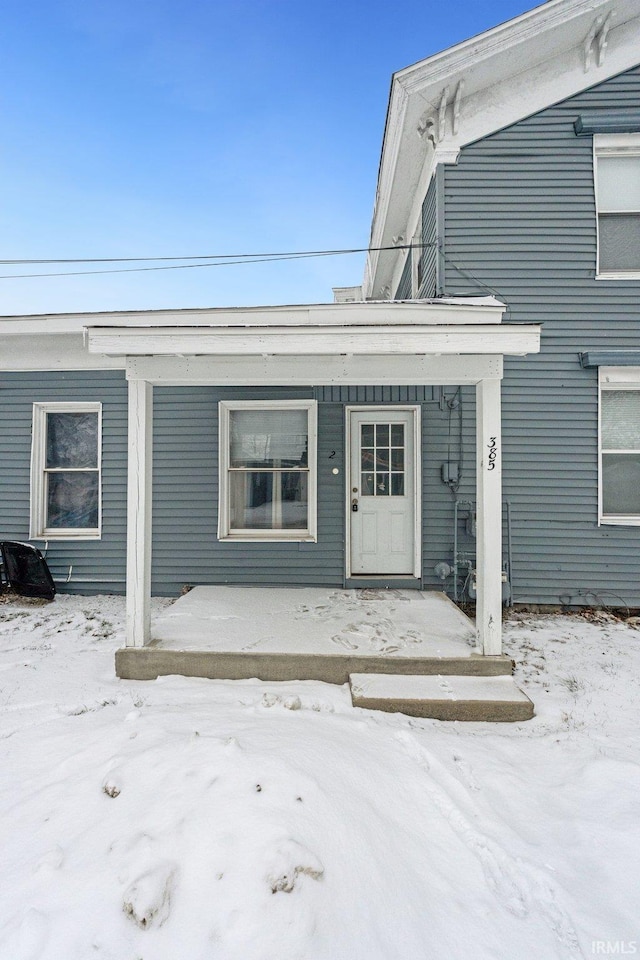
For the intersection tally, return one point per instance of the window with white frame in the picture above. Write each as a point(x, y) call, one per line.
point(620, 445)
point(65, 471)
point(267, 470)
point(617, 185)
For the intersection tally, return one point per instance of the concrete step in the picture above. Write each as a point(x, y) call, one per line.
point(147, 663)
point(443, 697)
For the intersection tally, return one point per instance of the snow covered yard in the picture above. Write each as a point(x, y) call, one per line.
point(206, 819)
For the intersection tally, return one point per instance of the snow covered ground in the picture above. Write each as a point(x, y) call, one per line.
point(199, 819)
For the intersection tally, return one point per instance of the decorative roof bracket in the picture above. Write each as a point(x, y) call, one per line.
point(435, 128)
point(457, 101)
point(442, 115)
point(597, 38)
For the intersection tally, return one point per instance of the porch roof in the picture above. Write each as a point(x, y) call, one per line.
point(434, 310)
point(442, 340)
point(457, 340)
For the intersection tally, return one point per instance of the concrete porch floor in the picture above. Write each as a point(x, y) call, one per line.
point(280, 633)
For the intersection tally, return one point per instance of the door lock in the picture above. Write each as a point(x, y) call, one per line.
point(354, 505)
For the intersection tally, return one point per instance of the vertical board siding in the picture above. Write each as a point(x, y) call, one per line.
point(404, 394)
point(429, 252)
point(96, 565)
point(404, 290)
point(520, 223)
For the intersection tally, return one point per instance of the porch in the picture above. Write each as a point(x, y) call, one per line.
point(458, 341)
point(417, 647)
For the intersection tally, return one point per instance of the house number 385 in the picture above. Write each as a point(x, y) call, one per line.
point(493, 453)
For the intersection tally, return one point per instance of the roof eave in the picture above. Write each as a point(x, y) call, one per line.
point(552, 46)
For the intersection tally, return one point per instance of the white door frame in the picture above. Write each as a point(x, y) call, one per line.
point(416, 410)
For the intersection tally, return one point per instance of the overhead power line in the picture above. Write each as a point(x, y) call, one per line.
point(211, 260)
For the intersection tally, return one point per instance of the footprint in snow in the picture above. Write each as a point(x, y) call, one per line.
point(288, 863)
point(466, 773)
point(273, 700)
point(148, 899)
point(342, 641)
point(519, 885)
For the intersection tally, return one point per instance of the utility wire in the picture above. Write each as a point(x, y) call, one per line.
point(177, 266)
point(222, 256)
point(222, 260)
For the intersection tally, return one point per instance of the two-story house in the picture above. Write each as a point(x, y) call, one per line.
point(359, 443)
point(512, 162)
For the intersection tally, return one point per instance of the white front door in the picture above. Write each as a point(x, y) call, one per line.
point(382, 504)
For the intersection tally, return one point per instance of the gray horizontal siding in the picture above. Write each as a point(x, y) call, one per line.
point(186, 549)
point(404, 287)
point(428, 255)
point(185, 484)
point(520, 223)
point(185, 500)
point(97, 565)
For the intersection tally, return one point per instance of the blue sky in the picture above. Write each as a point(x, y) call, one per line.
point(137, 128)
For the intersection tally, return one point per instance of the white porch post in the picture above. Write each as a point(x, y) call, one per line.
point(140, 437)
point(489, 517)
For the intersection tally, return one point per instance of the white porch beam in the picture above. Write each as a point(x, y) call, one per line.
point(489, 517)
point(482, 339)
point(318, 371)
point(139, 479)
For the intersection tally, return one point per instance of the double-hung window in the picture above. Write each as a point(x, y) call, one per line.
point(617, 185)
point(65, 471)
point(267, 470)
point(620, 445)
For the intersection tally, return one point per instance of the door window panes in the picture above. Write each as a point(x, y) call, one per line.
point(382, 459)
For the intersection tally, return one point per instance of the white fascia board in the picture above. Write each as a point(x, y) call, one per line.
point(55, 352)
point(47, 324)
point(451, 310)
point(509, 73)
point(513, 339)
point(319, 371)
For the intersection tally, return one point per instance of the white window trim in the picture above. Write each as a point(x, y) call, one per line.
point(37, 528)
point(270, 536)
point(612, 145)
point(613, 378)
